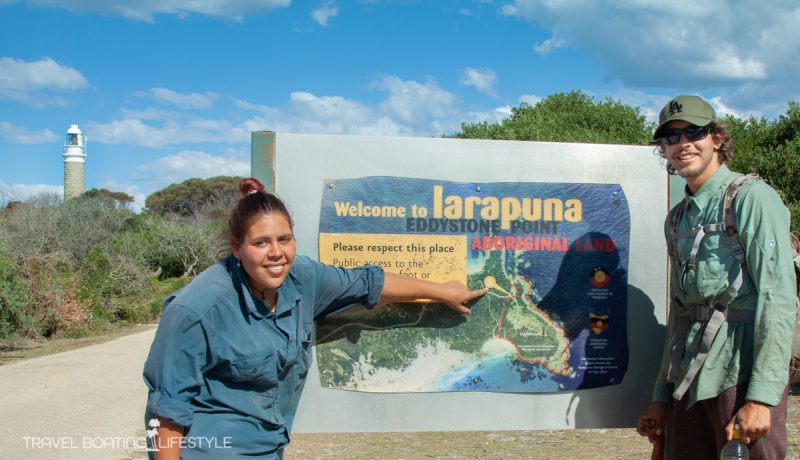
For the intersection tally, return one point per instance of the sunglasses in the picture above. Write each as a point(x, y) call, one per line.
point(692, 133)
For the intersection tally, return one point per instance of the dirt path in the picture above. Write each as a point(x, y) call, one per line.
point(80, 404)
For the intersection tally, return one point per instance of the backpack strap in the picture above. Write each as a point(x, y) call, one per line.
point(716, 313)
point(674, 236)
point(731, 236)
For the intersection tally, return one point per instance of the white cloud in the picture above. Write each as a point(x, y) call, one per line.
point(146, 10)
point(244, 105)
point(192, 163)
point(327, 107)
point(509, 10)
point(323, 13)
point(171, 131)
point(722, 108)
point(410, 108)
point(22, 192)
point(763, 98)
point(149, 113)
point(415, 103)
point(184, 100)
point(650, 105)
point(309, 113)
point(33, 82)
point(548, 46)
point(19, 135)
point(482, 79)
point(133, 132)
point(530, 99)
point(680, 44)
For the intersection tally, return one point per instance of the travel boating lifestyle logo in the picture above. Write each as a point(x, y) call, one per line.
point(147, 443)
point(186, 442)
point(152, 433)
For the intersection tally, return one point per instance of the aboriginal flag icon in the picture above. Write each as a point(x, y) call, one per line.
point(600, 277)
point(599, 323)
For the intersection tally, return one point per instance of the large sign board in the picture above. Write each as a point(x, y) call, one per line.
point(602, 385)
point(554, 257)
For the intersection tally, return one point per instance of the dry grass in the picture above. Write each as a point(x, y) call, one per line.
point(546, 444)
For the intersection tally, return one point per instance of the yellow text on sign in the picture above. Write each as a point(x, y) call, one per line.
point(427, 257)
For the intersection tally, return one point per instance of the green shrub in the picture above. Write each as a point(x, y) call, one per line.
point(17, 318)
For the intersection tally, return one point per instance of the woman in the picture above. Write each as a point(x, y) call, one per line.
point(233, 347)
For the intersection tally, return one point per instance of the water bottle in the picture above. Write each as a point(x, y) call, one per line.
point(735, 449)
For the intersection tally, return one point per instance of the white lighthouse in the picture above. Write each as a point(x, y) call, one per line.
point(74, 160)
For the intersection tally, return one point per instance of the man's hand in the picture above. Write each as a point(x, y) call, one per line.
point(652, 424)
point(754, 422)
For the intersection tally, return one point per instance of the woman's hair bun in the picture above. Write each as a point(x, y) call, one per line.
point(250, 185)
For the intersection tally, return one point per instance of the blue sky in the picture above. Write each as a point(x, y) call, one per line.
point(166, 90)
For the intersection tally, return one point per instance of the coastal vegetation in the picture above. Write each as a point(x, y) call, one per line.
point(80, 267)
point(83, 266)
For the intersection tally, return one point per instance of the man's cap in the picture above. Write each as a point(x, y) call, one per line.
point(691, 109)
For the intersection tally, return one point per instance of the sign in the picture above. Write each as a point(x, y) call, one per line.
point(553, 255)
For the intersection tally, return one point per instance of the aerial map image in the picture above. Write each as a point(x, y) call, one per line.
point(553, 256)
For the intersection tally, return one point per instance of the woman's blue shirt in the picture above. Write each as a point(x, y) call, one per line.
point(229, 370)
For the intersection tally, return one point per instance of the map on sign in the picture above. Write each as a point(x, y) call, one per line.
point(554, 257)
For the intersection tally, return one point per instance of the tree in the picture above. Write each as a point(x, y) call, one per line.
point(193, 194)
point(567, 117)
point(116, 199)
point(772, 150)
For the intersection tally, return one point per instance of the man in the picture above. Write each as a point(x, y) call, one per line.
point(740, 373)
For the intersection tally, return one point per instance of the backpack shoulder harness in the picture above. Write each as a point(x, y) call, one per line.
point(717, 312)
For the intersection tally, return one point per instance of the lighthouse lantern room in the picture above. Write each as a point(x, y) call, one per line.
point(74, 154)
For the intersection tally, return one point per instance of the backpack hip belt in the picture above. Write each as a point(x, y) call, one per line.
point(714, 317)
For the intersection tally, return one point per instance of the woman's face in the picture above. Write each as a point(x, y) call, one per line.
point(266, 253)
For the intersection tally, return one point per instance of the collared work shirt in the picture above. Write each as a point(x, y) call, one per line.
point(229, 370)
point(757, 352)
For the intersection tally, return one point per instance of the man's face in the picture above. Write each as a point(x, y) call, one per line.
point(696, 161)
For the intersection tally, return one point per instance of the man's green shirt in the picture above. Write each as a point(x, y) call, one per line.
point(757, 352)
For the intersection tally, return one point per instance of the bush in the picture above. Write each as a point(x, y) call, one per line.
point(191, 195)
point(182, 245)
point(17, 318)
point(50, 281)
point(94, 286)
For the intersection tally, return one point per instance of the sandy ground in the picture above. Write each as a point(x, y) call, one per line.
point(81, 404)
